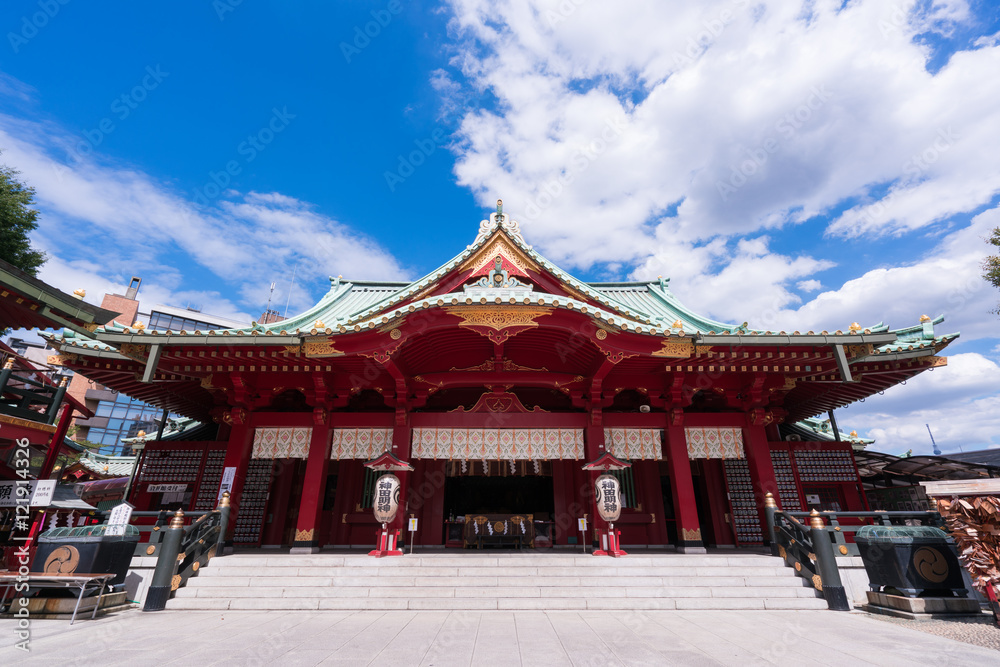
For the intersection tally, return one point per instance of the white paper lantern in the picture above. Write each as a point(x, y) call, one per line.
point(609, 497)
point(385, 504)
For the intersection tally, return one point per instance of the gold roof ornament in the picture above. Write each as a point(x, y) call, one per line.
point(178, 520)
point(9, 363)
point(319, 325)
point(139, 326)
point(677, 325)
point(854, 328)
point(815, 520)
point(925, 318)
point(853, 434)
point(79, 293)
point(140, 434)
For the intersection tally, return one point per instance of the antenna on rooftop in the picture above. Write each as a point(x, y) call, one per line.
point(269, 295)
point(937, 451)
point(290, 285)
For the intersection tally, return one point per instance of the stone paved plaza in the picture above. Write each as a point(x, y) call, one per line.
point(487, 638)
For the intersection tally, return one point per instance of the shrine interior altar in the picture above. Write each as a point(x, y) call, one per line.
point(499, 529)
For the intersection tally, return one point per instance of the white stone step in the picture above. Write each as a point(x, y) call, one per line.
point(473, 581)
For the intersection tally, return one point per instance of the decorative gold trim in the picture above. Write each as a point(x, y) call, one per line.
point(305, 535)
point(135, 351)
point(676, 349)
point(395, 334)
point(175, 582)
point(812, 557)
point(320, 347)
point(195, 566)
point(601, 334)
point(497, 317)
point(817, 582)
point(17, 421)
point(150, 550)
point(843, 550)
point(798, 566)
point(499, 246)
point(491, 365)
point(781, 551)
point(691, 535)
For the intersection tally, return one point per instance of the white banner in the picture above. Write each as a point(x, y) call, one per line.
point(120, 517)
point(228, 476)
point(17, 492)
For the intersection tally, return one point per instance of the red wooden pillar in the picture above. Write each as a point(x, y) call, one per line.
point(401, 449)
point(281, 488)
point(594, 444)
point(55, 445)
point(313, 486)
point(563, 503)
point(761, 469)
point(238, 457)
point(682, 486)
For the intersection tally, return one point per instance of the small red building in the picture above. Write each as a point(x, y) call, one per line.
point(497, 377)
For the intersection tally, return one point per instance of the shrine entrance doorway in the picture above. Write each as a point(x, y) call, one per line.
point(500, 490)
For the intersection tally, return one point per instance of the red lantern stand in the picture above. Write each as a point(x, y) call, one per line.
point(388, 538)
point(610, 539)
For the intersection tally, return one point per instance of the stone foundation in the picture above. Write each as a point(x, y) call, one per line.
point(921, 608)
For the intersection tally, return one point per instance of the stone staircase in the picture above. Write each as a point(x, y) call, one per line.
point(497, 580)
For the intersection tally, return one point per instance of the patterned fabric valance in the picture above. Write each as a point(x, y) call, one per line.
point(634, 443)
point(360, 443)
point(502, 444)
point(714, 443)
point(281, 443)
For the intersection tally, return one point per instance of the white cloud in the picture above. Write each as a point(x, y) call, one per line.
point(959, 403)
point(123, 220)
point(809, 285)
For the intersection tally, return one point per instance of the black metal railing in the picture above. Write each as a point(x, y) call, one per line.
point(806, 543)
point(25, 397)
point(181, 550)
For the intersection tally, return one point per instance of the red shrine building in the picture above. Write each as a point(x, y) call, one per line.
point(497, 377)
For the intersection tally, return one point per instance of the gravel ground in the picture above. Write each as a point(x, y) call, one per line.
point(978, 631)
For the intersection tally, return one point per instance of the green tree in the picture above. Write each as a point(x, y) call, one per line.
point(17, 220)
point(991, 265)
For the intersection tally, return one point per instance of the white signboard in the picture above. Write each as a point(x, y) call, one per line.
point(40, 492)
point(119, 518)
point(167, 488)
point(581, 525)
point(228, 476)
point(413, 525)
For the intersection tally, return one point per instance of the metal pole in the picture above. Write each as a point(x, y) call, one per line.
point(770, 509)
point(161, 586)
point(826, 565)
point(833, 423)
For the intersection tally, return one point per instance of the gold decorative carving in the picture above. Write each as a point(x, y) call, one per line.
point(617, 356)
point(293, 349)
point(195, 566)
point(937, 362)
point(206, 382)
point(781, 551)
point(150, 550)
point(17, 421)
point(499, 402)
point(817, 582)
point(676, 349)
point(492, 365)
point(499, 246)
point(843, 550)
point(859, 351)
point(812, 557)
point(135, 351)
point(395, 334)
point(304, 535)
point(601, 334)
point(175, 582)
point(320, 347)
point(497, 317)
point(691, 535)
point(61, 359)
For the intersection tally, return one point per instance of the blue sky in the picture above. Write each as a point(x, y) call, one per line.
point(797, 166)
